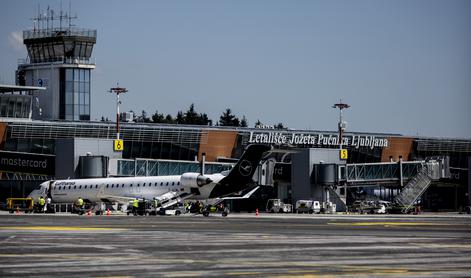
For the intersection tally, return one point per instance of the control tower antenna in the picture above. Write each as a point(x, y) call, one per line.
point(45, 19)
point(342, 125)
point(117, 90)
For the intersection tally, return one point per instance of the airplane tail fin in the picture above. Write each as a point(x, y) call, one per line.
point(241, 175)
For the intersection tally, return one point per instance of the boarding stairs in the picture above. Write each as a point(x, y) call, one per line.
point(430, 170)
point(339, 199)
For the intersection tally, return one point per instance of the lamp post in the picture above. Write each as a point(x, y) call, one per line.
point(117, 90)
point(342, 125)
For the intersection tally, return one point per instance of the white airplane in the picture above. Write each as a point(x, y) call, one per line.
point(189, 185)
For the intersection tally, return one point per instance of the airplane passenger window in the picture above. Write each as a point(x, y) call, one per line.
point(85, 187)
point(80, 187)
point(173, 183)
point(130, 185)
point(122, 185)
point(69, 186)
point(178, 183)
point(112, 186)
point(107, 185)
point(166, 184)
point(75, 186)
point(96, 185)
point(155, 184)
point(144, 185)
point(161, 184)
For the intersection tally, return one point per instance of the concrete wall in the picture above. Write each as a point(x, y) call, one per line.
point(68, 152)
point(49, 98)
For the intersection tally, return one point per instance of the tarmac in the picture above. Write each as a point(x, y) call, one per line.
point(240, 245)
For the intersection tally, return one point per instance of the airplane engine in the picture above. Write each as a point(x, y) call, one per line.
point(194, 180)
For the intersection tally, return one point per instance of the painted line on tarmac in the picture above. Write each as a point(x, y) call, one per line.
point(388, 224)
point(59, 228)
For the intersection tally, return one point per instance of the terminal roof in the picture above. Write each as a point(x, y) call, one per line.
point(14, 88)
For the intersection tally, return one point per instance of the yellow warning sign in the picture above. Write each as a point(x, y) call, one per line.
point(343, 154)
point(118, 145)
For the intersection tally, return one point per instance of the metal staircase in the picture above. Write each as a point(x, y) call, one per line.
point(337, 198)
point(414, 189)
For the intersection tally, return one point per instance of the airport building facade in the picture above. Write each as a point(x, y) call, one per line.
point(43, 143)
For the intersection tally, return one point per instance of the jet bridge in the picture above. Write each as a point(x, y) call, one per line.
point(391, 173)
point(412, 177)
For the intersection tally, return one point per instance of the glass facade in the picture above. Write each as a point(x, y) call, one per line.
point(15, 106)
point(75, 94)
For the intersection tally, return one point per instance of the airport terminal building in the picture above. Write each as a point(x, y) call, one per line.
point(46, 133)
point(34, 150)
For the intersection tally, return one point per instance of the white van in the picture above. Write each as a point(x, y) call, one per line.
point(308, 206)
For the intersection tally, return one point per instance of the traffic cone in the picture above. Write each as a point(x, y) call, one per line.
point(256, 211)
point(108, 212)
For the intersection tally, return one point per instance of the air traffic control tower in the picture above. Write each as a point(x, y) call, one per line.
point(58, 59)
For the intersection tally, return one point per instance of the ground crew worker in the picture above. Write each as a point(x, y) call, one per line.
point(42, 202)
point(155, 204)
point(79, 203)
point(135, 205)
point(48, 204)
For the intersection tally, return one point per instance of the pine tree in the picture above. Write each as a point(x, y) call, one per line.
point(227, 119)
point(243, 122)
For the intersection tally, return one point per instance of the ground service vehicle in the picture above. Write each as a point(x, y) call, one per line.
point(276, 205)
point(20, 204)
point(308, 206)
point(215, 209)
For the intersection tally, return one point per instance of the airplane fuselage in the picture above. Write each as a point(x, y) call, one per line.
point(101, 189)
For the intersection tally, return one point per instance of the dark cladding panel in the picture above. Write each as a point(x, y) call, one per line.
point(18, 162)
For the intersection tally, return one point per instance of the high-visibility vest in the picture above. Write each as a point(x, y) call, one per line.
point(135, 203)
point(41, 201)
point(156, 203)
point(80, 202)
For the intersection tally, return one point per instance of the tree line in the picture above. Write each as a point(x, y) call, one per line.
point(192, 117)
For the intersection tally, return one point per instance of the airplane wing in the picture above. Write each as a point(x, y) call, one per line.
point(246, 196)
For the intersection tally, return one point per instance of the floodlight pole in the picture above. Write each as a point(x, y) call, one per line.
point(341, 125)
point(117, 90)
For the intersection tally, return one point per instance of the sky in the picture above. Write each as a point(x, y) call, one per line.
point(404, 66)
